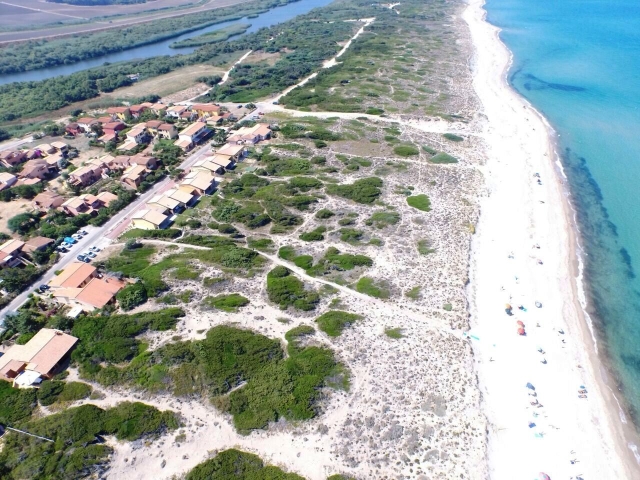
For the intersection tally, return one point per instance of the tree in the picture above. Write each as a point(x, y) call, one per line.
point(23, 223)
point(4, 135)
point(53, 129)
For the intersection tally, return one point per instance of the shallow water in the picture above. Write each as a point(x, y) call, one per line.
point(578, 62)
point(267, 19)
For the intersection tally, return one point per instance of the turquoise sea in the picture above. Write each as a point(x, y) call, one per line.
point(578, 62)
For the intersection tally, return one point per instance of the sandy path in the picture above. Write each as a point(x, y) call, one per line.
point(517, 214)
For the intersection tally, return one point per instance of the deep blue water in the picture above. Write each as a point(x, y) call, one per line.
point(578, 62)
point(267, 19)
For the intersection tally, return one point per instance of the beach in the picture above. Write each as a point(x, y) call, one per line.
point(566, 422)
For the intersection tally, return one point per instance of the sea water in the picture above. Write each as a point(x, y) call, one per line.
point(578, 62)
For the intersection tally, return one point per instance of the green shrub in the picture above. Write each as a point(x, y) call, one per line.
point(286, 290)
point(303, 261)
point(405, 150)
point(239, 466)
point(49, 392)
point(131, 296)
point(169, 233)
point(372, 288)
point(365, 190)
point(227, 303)
point(287, 252)
point(429, 150)
point(414, 293)
point(324, 213)
point(447, 307)
point(443, 158)
point(383, 219)
point(424, 247)
point(16, 404)
point(315, 235)
point(351, 235)
point(453, 137)
point(421, 202)
point(262, 244)
point(334, 322)
point(74, 391)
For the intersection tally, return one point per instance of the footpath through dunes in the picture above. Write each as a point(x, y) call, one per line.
point(547, 405)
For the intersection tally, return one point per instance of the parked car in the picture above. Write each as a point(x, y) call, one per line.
point(62, 249)
point(70, 240)
point(76, 236)
point(94, 249)
point(87, 260)
point(81, 258)
point(90, 254)
point(82, 232)
point(44, 287)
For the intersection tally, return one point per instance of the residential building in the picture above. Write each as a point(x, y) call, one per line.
point(152, 126)
point(76, 275)
point(138, 133)
point(184, 143)
point(75, 206)
point(250, 135)
point(198, 183)
point(7, 180)
point(166, 204)
point(97, 293)
point(73, 129)
point(149, 219)
point(105, 198)
point(36, 169)
point(168, 131)
point(234, 152)
point(60, 146)
point(134, 175)
point(176, 110)
point(27, 364)
point(10, 253)
point(122, 113)
point(224, 161)
point(137, 110)
point(119, 162)
point(206, 165)
point(108, 138)
point(183, 197)
point(104, 120)
point(85, 123)
point(205, 109)
point(86, 175)
point(11, 158)
point(194, 132)
point(37, 243)
point(46, 149)
point(47, 200)
point(113, 127)
point(188, 116)
point(159, 109)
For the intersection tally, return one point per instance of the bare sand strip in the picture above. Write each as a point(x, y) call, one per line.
point(567, 436)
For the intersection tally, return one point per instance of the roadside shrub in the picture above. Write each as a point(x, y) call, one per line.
point(421, 202)
point(169, 233)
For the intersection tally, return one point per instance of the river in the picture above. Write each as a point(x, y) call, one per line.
point(267, 19)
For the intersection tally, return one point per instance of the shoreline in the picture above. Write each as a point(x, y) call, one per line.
point(587, 431)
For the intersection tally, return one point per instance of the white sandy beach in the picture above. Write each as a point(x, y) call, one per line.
point(517, 214)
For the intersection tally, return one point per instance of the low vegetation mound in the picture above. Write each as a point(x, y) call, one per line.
point(383, 219)
point(286, 290)
point(406, 150)
point(335, 321)
point(167, 234)
point(240, 466)
point(373, 288)
point(77, 451)
point(227, 303)
point(365, 190)
point(443, 158)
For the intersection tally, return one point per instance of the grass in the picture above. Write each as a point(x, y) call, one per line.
point(429, 150)
point(373, 288)
point(324, 214)
point(238, 465)
point(424, 247)
point(365, 190)
point(443, 158)
point(406, 150)
point(168, 234)
point(335, 321)
point(394, 333)
point(335, 261)
point(227, 303)
point(351, 235)
point(414, 293)
point(447, 307)
point(421, 202)
point(262, 244)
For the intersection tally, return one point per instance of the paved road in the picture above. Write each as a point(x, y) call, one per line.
point(104, 235)
point(13, 144)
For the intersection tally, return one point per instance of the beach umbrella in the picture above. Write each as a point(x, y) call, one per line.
point(520, 322)
point(530, 387)
point(521, 331)
point(543, 476)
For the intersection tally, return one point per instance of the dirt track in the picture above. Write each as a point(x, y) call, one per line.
point(36, 11)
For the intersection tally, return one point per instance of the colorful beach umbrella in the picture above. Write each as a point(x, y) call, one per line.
point(543, 476)
point(520, 322)
point(530, 386)
point(521, 331)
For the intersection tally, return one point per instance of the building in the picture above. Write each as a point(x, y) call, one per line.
point(138, 133)
point(87, 203)
point(176, 110)
point(86, 175)
point(46, 149)
point(166, 204)
point(47, 200)
point(7, 180)
point(76, 275)
point(191, 135)
point(73, 129)
point(152, 126)
point(11, 158)
point(250, 135)
point(60, 147)
point(137, 110)
point(10, 253)
point(108, 138)
point(105, 198)
point(198, 183)
point(168, 131)
point(159, 109)
point(206, 165)
point(37, 243)
point(96, 293)
point(27, 364)
point(39, 169)
point(205, 109)
point(149, 219)
point(234, 152)
point(183, 197)
point(85, 123)
point(224, 161)
point(121, 113)
point(134, 175)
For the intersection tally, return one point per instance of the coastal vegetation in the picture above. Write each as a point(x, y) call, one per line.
point(216, 36)
point(421, 202)
point(334, 322)
point(238, 465)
